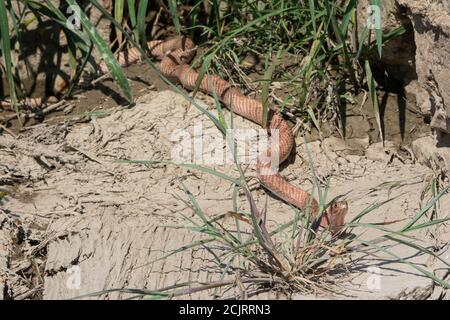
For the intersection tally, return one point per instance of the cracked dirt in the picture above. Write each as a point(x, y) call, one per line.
point(70, 207)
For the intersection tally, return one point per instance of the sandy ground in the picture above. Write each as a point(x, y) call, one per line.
point(83, 223)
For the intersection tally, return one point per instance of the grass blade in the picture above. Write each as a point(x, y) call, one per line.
point(185, 165)
point(425, 209)
point(133, 18)
point(374, 97)
point(413, 265)
point(362, 39)
point(378, 30)
point(202, 71)
point(119, 5)
point(266, 86)
point(107, 55)
point(141, 25)
point(153, 67)
point(174, 13)
point(348, 14)
point(6, 52)
point(312, 11)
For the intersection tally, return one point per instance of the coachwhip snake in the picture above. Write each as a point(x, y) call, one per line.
point(176, 54)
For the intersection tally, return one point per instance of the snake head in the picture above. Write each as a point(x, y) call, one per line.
point(334, 217)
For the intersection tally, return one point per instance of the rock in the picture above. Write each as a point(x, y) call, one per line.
point(431, 21)
point(419, 58)
point(441, 121)
point(421, 96)
point(427, 152)
point(378, 152)
point(397, 60)
point(354, 146)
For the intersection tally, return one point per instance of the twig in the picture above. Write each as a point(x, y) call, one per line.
point(101, 78)
point(8, 131)
point(48, 109)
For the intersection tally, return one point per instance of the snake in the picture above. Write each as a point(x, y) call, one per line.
point(175, 55)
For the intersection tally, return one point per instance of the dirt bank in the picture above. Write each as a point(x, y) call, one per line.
point(89, 223)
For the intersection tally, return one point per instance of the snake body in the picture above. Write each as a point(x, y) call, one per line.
point(175, 55)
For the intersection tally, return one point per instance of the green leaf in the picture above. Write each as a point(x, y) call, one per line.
point(173, 8)
point(141, 25)
point(119, 6)
point(312, 11)
point(394, 33)
point(266, 86)
point(349, 12)
point(50, 10)
point(202, 71)
point(362, 39)
point(107, 55)
point(378, 31)
point(133, 18)
point(6, 52)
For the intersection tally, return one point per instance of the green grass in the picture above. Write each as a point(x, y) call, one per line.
point(79, 41)
point(317, 32)
point(6, 53)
